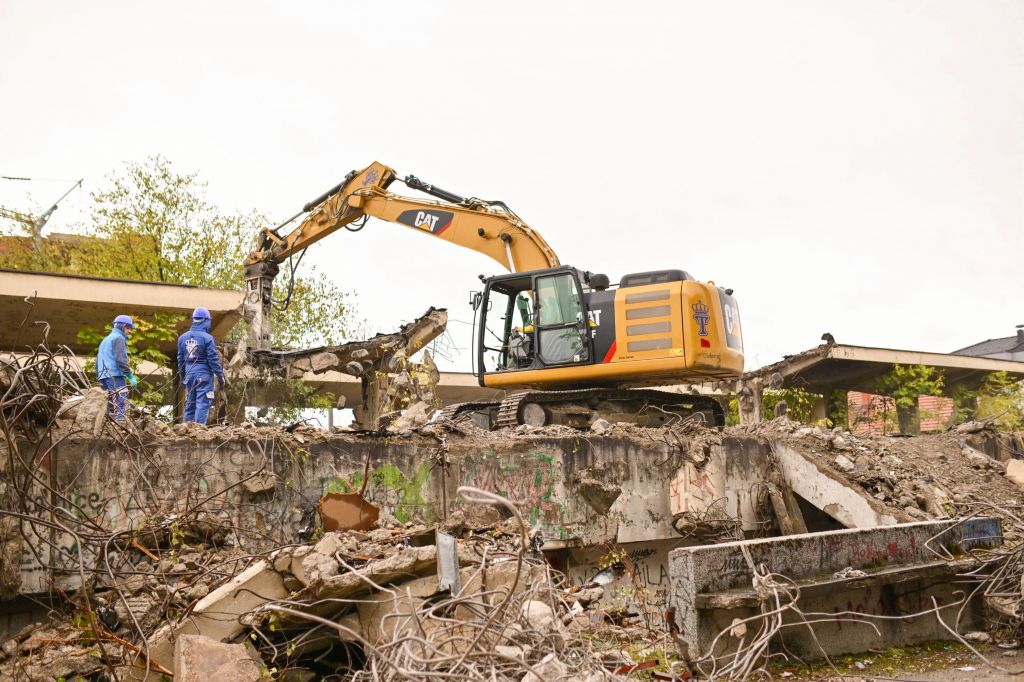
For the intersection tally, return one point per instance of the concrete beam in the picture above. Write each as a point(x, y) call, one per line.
point(847, 504)
point(453, 387)
point(713, 584)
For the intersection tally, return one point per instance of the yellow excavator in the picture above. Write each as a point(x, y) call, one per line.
point(568, 346)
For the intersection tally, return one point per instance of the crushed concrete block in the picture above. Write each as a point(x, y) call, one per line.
point(320, 563)
point(403, 564)
point(297, 568)
point(540, 617)
point(354, 368)
point(471, 517)
point(600, 426)
point(844, 463)
point(91, 412)
point(201, 659)
point(323, 362)
point(142, 608)
point(217, 615)
point(510, 651)
point(416, 415)
point(282, 559)
point(978, 636)
point(1015, 471)
point(598, 494)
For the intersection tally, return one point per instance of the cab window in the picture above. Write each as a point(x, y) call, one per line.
point(560, 314)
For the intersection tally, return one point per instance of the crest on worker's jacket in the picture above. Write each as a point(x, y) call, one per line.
point(191, 345)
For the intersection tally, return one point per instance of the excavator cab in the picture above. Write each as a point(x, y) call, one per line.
point(533, 320)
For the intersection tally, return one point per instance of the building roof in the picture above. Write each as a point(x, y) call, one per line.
point(34, 303)
point(1009, 344)
point(832, 366)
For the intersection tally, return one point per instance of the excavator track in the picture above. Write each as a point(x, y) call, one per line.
point(579, 408)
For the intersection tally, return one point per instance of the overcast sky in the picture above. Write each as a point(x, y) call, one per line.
point(853, 167)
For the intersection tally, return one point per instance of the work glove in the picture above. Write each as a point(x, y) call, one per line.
point(133, 380)
point(223, 382)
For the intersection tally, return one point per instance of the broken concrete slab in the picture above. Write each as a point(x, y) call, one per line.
point(202, 659)
point(713, 585)
point(830, 493)
point(218, 614)
point(406, 563)
point(384, 615)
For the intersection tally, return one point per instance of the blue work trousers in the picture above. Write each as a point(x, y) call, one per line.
point(198, 398)
point(117, 402)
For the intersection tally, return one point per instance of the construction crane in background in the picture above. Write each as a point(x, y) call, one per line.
point(36, 225)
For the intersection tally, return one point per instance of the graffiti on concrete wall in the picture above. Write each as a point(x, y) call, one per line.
point(527, 479)
point(641, 582)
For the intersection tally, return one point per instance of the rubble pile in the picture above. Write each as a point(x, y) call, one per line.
point(223, 567)
point(931, 476)
point(352, 605)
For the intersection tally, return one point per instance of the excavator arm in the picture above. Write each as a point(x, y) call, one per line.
point(488, 227)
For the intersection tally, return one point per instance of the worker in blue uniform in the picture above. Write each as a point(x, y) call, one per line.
point(198, 364)
point(112, 368)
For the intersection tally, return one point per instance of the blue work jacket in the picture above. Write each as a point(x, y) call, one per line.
point(197, 353)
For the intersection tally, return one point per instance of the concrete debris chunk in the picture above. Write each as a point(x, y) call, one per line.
point(844, 463)
point(1015, 471)
point(218, 614)
point(91, 412)
point(600, 495)
point(201, 659)
point(414, 416)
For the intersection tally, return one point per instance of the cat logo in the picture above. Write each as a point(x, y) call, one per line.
point(434, 222)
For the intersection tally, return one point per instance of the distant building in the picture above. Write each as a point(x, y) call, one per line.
point(1008, 348)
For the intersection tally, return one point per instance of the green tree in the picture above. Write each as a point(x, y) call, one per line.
point(1001, 399)
point(799, 403)
point(905, 384)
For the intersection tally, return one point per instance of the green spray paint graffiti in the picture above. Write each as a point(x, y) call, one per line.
point(527, 479)
point(396, 494)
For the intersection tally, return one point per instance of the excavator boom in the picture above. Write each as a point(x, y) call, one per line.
point(488, 227)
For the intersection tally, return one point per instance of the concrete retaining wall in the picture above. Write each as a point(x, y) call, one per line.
point(415, 478)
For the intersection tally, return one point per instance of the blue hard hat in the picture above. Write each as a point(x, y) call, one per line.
point(126, 320)
point(200, 314)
